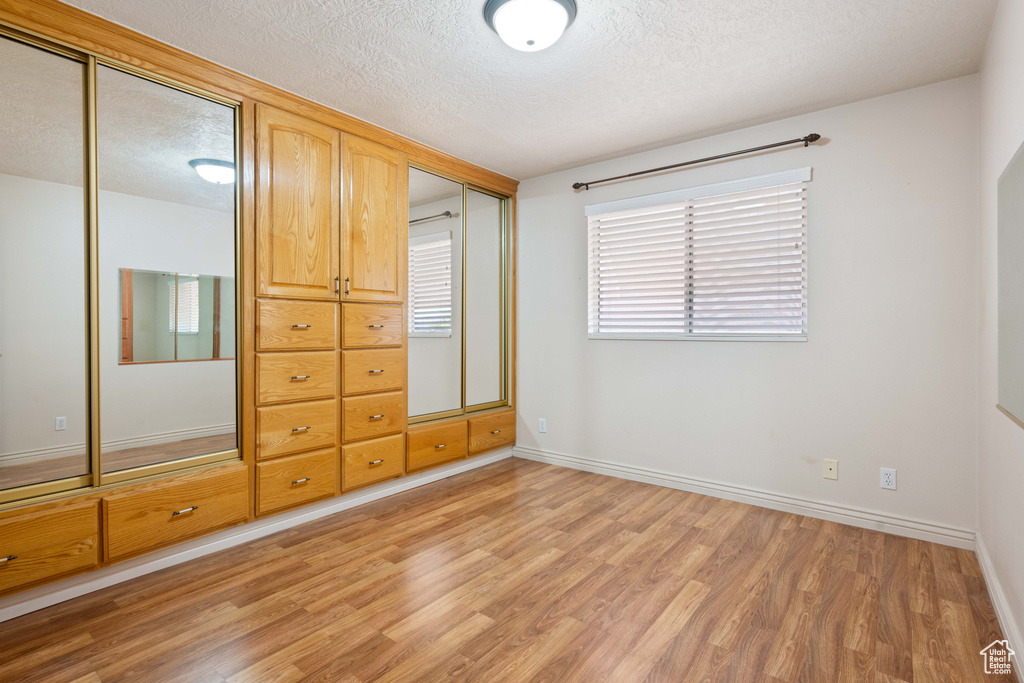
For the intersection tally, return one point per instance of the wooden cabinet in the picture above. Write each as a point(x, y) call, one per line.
point(295, 427)
point(297, 480)
point(374, 221)
point(41, 546)
point(299, 376)
point(365, 325)
point(491, 431)
point(365, 417)
point(173, 510)
point(366, 371)
point(295, 325)
point(435, 445)
point(297, 206)
point(370, 462)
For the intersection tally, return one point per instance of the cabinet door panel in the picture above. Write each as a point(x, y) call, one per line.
point(298, 202)
point(375, 222)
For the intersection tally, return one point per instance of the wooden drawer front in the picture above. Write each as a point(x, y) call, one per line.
point(295, 376)
point(295, 325)
point(174, 510)
point(488, 432)
point(370, 325)
point(429, 446)
point(44, 545)
point(363, 372)
point(293, 428)
point(365, 417)
point(372, 461)
point(296, 480)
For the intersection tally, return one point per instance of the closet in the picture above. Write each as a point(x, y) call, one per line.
point(205, 305)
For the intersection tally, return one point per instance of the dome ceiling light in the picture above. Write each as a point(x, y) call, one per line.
point(529, 25)
point(214, 170)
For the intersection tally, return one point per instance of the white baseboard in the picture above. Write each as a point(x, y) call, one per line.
point(1010, 627)
point(51, 594)
point(42, 454)
point(168, 437)
point(858, 517)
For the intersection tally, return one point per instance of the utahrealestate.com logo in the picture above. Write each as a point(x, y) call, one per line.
point(997, 658)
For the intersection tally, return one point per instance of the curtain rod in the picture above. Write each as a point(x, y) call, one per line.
point(813, 137)
point(446, 214)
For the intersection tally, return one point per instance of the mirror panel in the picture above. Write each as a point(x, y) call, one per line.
point(485, 299)
point(160, 225)
point(435, 294)
point(43, 324)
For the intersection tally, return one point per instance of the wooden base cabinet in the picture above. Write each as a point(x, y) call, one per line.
point(491, 431)
point(436, 445)
point(47, 545)
point(297, 480)
point(371, 462)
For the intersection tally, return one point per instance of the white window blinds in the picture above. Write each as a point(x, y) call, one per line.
point(186, 304)
point(430, 285)
point(725, 261)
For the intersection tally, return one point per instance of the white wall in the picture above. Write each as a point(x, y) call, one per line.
point(888, 376)
point(1001, 442)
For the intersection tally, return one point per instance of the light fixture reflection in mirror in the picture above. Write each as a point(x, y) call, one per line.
point(214, 170)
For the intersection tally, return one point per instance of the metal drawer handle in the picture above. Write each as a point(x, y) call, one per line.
point(496, 431)
point(376, 372)
point(376, 417)
point(300, 481)
point(301, 429)
point(376, 327)
point(376, 462)
point(301, 376)
point(301, 327)
point(181, 512)
point(441, 445)
point(14, 557)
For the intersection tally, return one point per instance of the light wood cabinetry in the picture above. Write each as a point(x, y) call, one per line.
point(297, 206)
point(295, 427)
point(295, 325)
point(296, 480)
point(373, 370)
point(173, 510)
point(365, 417)
point(435, 445)
point(299, 376)
point(365, 325)
point(374, 221)
point(491, 431)
point(371, 462)
point(42, 546)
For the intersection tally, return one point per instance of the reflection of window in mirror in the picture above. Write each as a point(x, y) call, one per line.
point(430, 285)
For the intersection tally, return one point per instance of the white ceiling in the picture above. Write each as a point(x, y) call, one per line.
point(628, 74)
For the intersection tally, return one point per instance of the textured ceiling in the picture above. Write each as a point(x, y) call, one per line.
point(425, 188)
point(627, 75)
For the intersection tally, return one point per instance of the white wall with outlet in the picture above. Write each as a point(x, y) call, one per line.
point(887, 377)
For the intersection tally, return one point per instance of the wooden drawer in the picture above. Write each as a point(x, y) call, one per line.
point(173, 510)
point(295, 325)
point(298, 427)
point(296, 480)
point(372, 461)
point(299, 376)
point(370, 325)
point(434, 445)
point(488, 432)
point(365, 417)
point(50, 544)
point(363, 372)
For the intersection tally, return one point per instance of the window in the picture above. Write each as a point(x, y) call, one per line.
point(430, 285)
point(724, 261)
point(186, 304)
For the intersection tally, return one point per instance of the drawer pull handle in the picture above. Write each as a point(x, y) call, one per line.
point(441, 445)
point(376, 372)
point(301, 429)
point(376, 462)
point(376, 327)
point(181, 512)
point(301, 376)
point(301, 481)
point(376, 417)
point(14, 557)
point(301, 327)
point(496, 431)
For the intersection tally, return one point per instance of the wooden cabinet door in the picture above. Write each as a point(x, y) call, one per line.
point(375, 222)
point(297, 206)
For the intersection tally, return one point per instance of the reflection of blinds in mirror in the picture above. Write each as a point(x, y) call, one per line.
point(186, 304)
point(430, 285)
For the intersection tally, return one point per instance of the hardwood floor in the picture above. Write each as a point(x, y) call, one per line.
point(521, 571)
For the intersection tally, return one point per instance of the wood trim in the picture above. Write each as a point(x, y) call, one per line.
point(78, 29)
point(246, 306)
point(127, 315)
point(216, 318)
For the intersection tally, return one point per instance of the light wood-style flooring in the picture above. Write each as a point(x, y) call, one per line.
point(521, 571)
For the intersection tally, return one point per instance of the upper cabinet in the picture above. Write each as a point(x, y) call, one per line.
point(374, 223)
point(297, 206)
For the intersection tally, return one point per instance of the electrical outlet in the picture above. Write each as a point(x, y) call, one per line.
point(889, 478)
point(61, 424)
point(831, 469)
point(542, 425)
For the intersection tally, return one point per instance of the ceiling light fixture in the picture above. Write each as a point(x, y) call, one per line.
point(214, 170)
point(529, 25)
